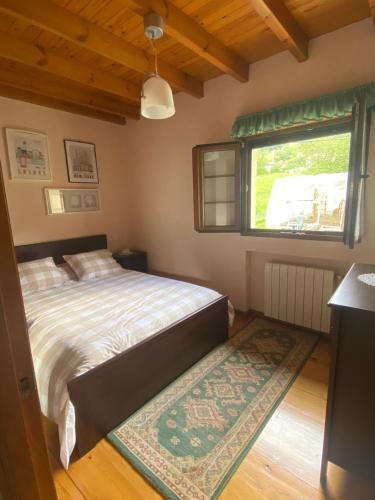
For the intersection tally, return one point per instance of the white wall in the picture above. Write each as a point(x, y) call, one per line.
point(26, 203)
point(158, 155)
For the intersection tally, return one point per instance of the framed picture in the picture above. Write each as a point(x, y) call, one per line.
point(81, 161)
point(28, 155)
point(68, 201)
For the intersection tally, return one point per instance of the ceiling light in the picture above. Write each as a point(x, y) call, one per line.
point(157, 97)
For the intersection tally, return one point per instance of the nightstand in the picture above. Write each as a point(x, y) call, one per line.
point(136, 261)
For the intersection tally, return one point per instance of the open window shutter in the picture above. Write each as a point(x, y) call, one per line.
point(358, 174)
point(216, 181)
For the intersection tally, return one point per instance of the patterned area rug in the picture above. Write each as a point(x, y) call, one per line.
point(189, 440)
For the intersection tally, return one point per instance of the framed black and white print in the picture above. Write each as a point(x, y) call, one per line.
point(81, 162)
point(69, 201)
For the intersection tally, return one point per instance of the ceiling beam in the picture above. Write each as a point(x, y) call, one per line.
point(372, 8)
point(37, 57)
point(23, 77)
point(60, 21)
point(189, 33)
point(50, 102)
point(278, 18)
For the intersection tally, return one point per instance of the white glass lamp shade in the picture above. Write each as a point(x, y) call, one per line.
point(157, 99)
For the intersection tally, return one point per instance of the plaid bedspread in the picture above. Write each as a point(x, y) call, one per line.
point(76, 327)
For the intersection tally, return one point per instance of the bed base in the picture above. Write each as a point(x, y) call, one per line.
point(106, 395)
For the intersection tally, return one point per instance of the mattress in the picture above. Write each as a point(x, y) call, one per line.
point(80, 325)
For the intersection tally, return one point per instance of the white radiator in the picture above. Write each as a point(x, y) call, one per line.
point(298, 295)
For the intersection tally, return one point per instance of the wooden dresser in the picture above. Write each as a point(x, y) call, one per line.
point(349, 439)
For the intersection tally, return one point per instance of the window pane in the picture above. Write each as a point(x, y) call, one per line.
point(300, 185)
point(219, 163)
point(219, 189)
point(219, 214)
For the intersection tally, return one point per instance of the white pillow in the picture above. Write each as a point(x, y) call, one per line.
point(40, 274)
point(94, 264)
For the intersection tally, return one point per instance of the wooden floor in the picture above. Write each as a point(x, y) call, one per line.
point(283, 463)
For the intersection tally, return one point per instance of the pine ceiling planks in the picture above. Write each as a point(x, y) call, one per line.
point(238, 36)
point(281, 22)
point(189, 33)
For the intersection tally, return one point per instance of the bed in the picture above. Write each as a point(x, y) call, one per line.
point(106, 394)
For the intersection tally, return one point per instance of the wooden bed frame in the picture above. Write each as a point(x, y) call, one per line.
point(108, 394)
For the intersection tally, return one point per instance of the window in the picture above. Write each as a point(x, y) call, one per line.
point(297, 183)
point(216, 169)
point(306, 182)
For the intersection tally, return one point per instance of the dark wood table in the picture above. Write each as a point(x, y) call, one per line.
point(136, 260)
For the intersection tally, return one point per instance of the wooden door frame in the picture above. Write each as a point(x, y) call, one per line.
point(25, 471)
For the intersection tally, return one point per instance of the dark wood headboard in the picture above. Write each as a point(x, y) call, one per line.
point(58, 248)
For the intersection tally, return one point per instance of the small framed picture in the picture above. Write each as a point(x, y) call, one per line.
point(28, 155)
point(69, 201)
point(81, 162)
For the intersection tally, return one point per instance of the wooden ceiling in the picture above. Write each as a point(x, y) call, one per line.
point(91, 56)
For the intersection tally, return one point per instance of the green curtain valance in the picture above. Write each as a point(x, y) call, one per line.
point(325, 107)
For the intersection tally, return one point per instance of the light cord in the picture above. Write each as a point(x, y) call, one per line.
point(155, 55)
